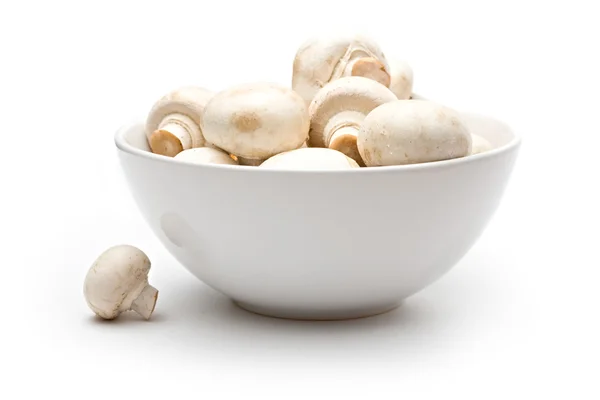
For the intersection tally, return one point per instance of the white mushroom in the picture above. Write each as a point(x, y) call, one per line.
point(256, 121)
point(118, 282)
point(319, 61)
point(480, 144)
point(173, 123)
point(206, 155)
point(314, 158)
point(412, 131)
point(402, 79)
point(338, 110)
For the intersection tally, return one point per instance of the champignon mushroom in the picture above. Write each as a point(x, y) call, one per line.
point(319, 61)
point(256, 121)
point(118, 281)
point(401, 79)
point(173, 123)
point(480, 144)
point(314, 158)
point(412, 131)
point(206, 155)
point(338, 110)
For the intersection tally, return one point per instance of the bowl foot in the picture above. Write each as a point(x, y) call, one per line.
point(316, 314)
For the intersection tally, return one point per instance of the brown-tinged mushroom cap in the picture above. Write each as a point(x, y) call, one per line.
point(312, 158)
point(173, 123)
point(338, 110)
point(412, 131)
point(256, 121)
point(319, 61)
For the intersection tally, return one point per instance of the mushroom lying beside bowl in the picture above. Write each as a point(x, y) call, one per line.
point(117, 282)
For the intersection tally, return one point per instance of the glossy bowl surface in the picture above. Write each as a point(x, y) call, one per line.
point(319, 244)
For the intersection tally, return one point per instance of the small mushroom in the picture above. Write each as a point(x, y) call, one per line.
point(412, 131)
point(256, 121)
point(338, 110)
point(480, 144)
point(173, 123)
point(206, 155)
point(319, 61)
point(118, 282)
point(402, 79)
point(314, 158)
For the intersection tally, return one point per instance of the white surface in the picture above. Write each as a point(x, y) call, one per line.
point(323, 244)
point(518, 317)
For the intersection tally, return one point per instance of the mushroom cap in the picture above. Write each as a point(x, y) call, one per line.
point(187, 100)
point(349, 94)
point(402, 79)
point(412, 131)
point(206, 155)
point(318, 59)
point(310, 158)
point(115, 280)
point(256, 120)
point(480, 144)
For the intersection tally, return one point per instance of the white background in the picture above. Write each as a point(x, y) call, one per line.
point(518, 316)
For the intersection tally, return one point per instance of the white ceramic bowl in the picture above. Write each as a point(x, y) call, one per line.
point(319, 244)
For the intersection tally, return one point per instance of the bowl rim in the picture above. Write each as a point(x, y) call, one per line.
point(122, 144)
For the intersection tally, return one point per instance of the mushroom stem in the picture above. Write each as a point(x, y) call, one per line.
point(146, 301)
point(341, 133)
point(368, 67)
point(175, 133)
point(360, 61)
point(345, 140)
